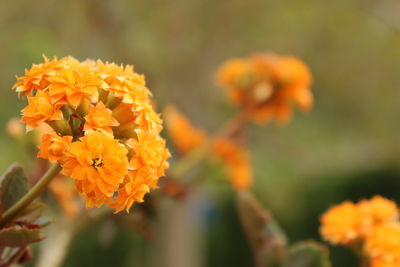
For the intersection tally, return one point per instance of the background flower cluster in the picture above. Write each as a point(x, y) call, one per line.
point(371, 228)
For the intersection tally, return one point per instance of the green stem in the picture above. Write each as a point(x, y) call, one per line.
point(35, 191)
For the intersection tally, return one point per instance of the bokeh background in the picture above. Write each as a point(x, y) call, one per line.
point(346, 148)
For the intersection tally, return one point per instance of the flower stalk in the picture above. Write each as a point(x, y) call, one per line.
point(35, 191)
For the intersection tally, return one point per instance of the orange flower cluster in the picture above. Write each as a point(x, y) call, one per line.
point(186, 138)
point(372, 223)
point(264, 85)
point(105, 132)
point(349, 222)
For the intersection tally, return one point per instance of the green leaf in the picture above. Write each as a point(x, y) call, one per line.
point(13, 185)
point(19, 236)
point(267, 239)
point(307, 254)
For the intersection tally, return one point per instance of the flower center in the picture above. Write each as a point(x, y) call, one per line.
point(262, 92)
point(98, 162)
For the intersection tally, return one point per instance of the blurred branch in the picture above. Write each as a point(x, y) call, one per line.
point(230, 128)
point(265, 236)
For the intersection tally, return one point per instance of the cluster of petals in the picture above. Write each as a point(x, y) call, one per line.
point(265, 85)
point(104, 130)
point(349, 222)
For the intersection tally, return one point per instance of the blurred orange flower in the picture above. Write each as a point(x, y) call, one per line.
point(237, 161)
point(375, 211)
point(383, 246)
point(339, 225)
point(15, 128)
point(348, 222)
point(266, 84)
point(182, 133)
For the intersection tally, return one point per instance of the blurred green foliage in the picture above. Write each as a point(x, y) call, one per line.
point(347, 147)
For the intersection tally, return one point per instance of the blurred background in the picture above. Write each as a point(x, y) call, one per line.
point(346, 148)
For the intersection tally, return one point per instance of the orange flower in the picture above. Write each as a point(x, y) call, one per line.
point(383, 246)
point(241, 175)
point(148, 163)
point(237, 161)
point(376, 211)
point(235, 73)
point(74, 82)
point(53, 146)
point(345, 223)
point(147, 118)
point(124, 83)
point(40, 109)
point(100, 118)
point(133, 191)
point(64, 192)
point(339, 225)
point(149, 156)
point(36, 77)
point(266, 84)
point(296, 79)
point(15, 128)
point(98, 163)
point(184, 136)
